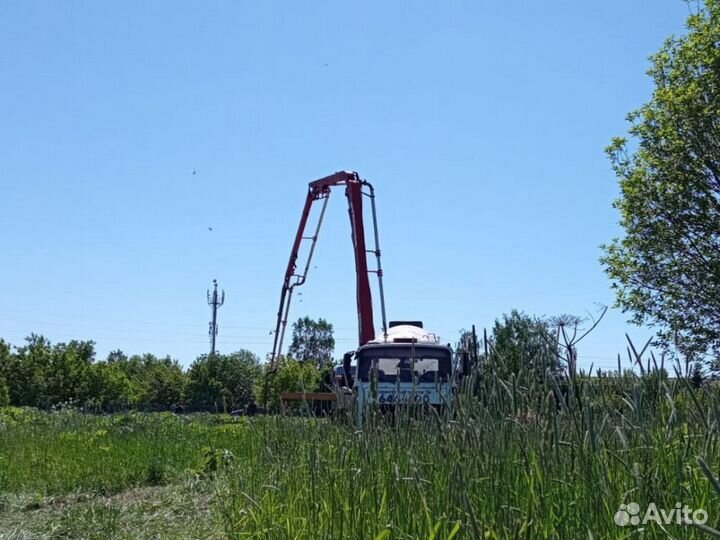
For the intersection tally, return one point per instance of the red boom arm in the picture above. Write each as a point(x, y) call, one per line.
point(320, 190)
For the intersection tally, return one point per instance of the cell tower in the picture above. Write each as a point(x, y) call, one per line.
point(214, 302)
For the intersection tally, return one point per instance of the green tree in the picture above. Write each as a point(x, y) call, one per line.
point(312, 341)
point(666, 267)
point(222, 382)
point(67, 378)
point(165, 383)
point(110, 388)
point(135, 370)
point(116, 356)
point(27, 372)
point(40, 374)
point(521, 342)
point(696, 376)
point(5, 358)
point(4, 393)
point(289, 375)
point(155, 383)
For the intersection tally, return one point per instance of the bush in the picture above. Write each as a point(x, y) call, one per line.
point(223, 382)
point(289, 375)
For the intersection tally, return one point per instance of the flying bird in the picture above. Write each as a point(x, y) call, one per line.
point(210, 228)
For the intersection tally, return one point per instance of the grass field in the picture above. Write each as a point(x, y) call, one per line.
point(509, 462)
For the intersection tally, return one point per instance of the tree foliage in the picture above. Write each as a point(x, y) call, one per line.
point(223, 382)
point(666, 267)
point(312, 341)
point(110, 388)
point(4, 370)
point(522, 342)
point(42, 374)
point(157, 383)
point(45, 375)
point(289, 375)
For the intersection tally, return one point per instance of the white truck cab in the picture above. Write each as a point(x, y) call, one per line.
point(405, 365)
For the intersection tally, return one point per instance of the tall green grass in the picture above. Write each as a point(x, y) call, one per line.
point(56, 453)
point(519, 458)
point(524, 457)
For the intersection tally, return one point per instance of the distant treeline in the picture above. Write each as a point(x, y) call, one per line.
point(46, 375)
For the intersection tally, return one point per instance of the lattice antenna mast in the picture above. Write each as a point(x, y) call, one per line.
point(214, 301)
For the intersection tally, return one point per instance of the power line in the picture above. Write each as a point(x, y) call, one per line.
point(133, 332)
point(139, 323)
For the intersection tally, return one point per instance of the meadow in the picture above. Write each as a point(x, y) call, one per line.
point(525, 457)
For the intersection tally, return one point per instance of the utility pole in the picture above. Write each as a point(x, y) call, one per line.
point(215, 303)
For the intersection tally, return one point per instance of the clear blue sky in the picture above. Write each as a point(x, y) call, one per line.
point(481, 124)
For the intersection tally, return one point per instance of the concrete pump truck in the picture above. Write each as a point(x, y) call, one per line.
point(402, 363)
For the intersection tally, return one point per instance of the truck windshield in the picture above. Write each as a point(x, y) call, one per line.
point(399, 364)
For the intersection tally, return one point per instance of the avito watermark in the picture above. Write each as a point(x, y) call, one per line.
point(681, 514)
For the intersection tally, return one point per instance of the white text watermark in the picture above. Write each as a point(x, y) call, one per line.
point(681, 514)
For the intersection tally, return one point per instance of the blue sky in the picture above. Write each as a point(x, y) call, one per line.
point(481, 124)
